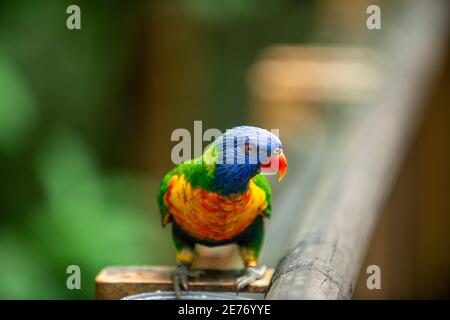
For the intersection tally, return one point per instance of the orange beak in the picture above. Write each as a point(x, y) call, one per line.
point(276, 164)
point(282, 166)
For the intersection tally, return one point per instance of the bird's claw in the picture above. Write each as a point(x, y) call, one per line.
point(251, 275)
point(180, 278)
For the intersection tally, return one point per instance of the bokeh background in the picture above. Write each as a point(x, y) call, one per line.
point(86, 118)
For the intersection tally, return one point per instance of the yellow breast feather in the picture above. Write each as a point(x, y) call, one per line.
point(211, 216)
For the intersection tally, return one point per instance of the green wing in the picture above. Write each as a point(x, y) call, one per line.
point(164, 211)
point(195, 171)
point(261, 181)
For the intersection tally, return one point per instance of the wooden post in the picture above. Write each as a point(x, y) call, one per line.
point(118, 282)
point(222, 267)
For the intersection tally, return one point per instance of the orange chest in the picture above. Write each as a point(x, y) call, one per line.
point(210, 216)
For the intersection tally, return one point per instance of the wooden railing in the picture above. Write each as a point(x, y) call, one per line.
point(355, 170)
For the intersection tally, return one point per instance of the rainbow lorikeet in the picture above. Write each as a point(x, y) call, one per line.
point(222, 198)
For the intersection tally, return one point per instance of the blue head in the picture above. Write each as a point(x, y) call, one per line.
point(241, 153)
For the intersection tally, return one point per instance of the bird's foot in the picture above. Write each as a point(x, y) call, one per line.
point(180, 278)
point(251, 274)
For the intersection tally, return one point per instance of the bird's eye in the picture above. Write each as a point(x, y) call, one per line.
point(277, 151)
point(249, 148)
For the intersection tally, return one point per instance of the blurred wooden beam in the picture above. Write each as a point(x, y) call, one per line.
point(358, 170)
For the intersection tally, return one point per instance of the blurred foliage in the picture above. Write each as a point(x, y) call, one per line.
point(15, 123)
point(85, 218)
point(63, 198)
point(224, 11)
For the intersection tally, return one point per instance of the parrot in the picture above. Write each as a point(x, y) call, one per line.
point(222, 197)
